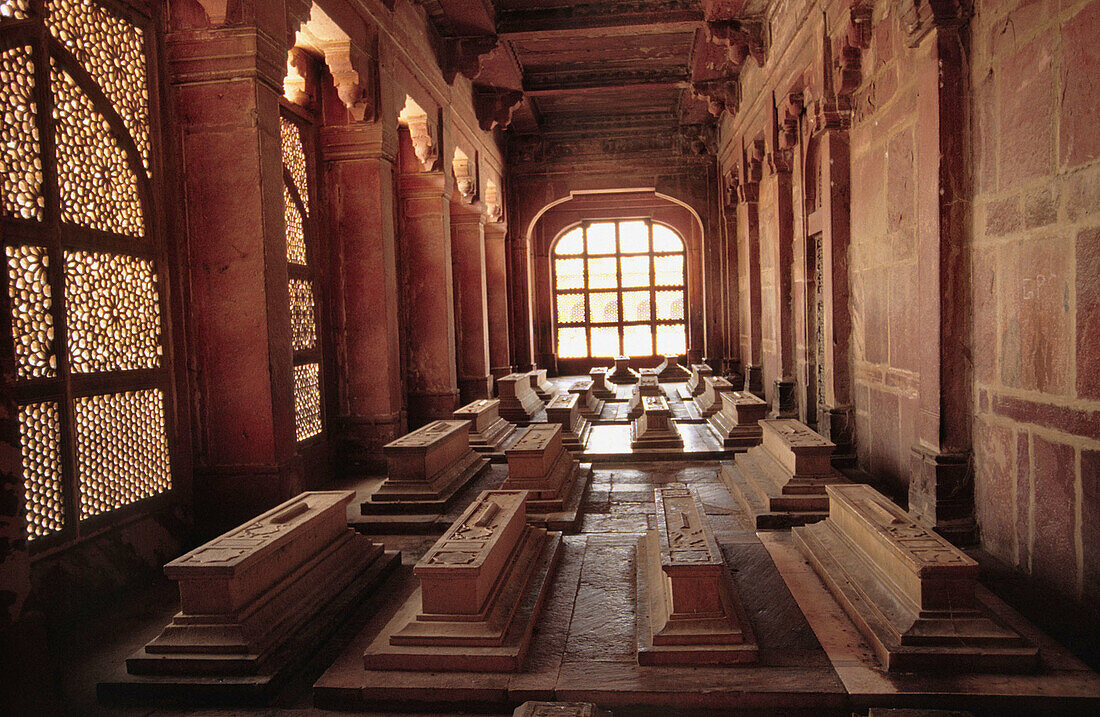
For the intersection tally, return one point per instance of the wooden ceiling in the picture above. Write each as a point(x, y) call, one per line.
point(586, 66)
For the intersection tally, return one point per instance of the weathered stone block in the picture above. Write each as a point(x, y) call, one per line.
point(564, 409)
point(737, 424)
point(600, 389)
point(908, 590)
point(654, 428)
point(539, 463)
point(670, 370)
point(481, 590)
point(489, 433)
point(542, 388)
point(782, 481)
point(518, 401)
point(559, 709)
point(708, 401)
point(689, 613)
point(591, 407)
point(248, 593)
point(426, 466)
point(621, 372)
point(695, 385)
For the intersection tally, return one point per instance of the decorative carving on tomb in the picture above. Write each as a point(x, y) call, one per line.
point(654, 428)
point(559, 709)
point(466, 55)
point(539, 463)
point(426, 469)
point(489, 433)
point(246, 595)
point(621, 373)
point(518, 401)
point(590, 406)
point(909, 591)
point(564, 409)
point(689, 613)
point(737, 425)
point(600, 389)
point(481, 590)
point(709, 400)
point(494, 106)
point(782, 481)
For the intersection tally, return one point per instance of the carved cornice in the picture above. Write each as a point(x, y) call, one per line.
point(465, 55)
point(593, 15)
point(920, 17)
point(722, 95)
point(743, 38)
point(494, 106)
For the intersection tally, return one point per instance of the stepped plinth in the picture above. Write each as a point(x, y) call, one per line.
point(564, 409)
point(426, 469)
point(737, 424)
point(621, 373)
point(489, 433)
point(709, 401)
point(600, 389)
point(254, 600)
point(591, 407)
point(688, 609)
point(695, 385)
point(518, 401)
point(782, 481)
point(482, 586)
point(542, 388)
point(539, 463)
point(670, 370)
point(909, 591)
point(654, 429)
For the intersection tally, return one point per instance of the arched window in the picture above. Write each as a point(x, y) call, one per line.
point(85, 261)
point(619, 289)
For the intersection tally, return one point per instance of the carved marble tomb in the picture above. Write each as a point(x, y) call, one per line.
point(539, 463)
point(564, 409)
point(518, 401)
point(737, 424)
point(489, 433)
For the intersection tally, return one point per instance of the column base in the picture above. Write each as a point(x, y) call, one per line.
point(498, 371)
point(427, 407)
point(754, 381)
point(475, 387)
point(783, 400)
point(838, 425)
point(941, 494)
point(357, 441)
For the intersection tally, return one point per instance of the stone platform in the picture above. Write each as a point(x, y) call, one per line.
point(490, 435)
point(482, 586)
point(621, 373)
point(590, 406)
point(782, 481)
point(737, 425)
point(654, 428)
point(426, 469)
point(254, 603)
point(518, 401)
point(688, 610)
point(555, 481)
point(709, 401)
point(910, 592)
point(564, 409)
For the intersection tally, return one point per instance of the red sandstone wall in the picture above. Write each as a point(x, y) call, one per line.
point(883, 253)
point(1036, 275)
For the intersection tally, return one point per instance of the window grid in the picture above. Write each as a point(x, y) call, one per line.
point(90, 198)
point(596, 325)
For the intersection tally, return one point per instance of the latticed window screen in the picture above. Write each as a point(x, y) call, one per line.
point(619, 289)
point(85, 278)
point(308, 420)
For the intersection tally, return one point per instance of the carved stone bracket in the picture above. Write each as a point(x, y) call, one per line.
point(423, 140)
point(465, 179)
point(494, 208)
point(354, 68)
point(494, 106)
point(789, 114)
point(920, 17)
point(742, 38)
point(749, 189)
point(698, 138)
point(731, 184)
point(465, 55)
point(721, 95)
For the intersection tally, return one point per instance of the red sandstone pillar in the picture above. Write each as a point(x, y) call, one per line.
point(779, 221)
point(941, 490)
point(496, 280)
point(428, 290)
point(359, 166)
point(748, 232)
point(731, 270)
point(714, 338)
point(523, 331)
point(226, 85)
point(471, 301)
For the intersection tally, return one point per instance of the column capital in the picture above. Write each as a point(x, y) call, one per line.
point(358, 140)
point(425, 185)
point(226, 54)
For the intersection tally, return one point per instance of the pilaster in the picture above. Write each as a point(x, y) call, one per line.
point(496, 280)
point(471, 301)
